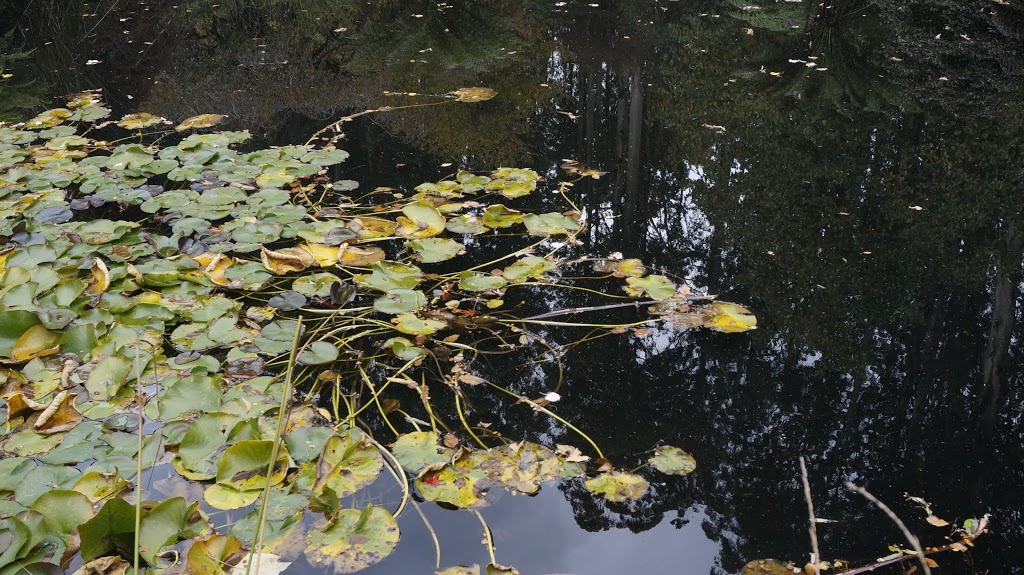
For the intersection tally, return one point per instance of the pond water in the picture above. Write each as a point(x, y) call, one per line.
point(851, 172)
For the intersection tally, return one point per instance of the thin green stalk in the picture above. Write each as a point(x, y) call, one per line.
point(465, 424)
point(395, 467)
point(541, 408)
point(376, 399)
point(138, 462)
point(487, 533)
point(433, 535)
point(282, 418)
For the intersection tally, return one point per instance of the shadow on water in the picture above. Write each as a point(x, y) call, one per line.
point(852, 171)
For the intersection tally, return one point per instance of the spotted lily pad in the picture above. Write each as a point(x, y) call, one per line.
point(463, 483)
point(672, 460)
point(346, 465)
point(528, 267)
point(421, 450)
point(356, 540)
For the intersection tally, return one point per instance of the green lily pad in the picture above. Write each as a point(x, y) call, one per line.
point(466, 224)
point(618, 486)
point(480, 282)
point(389, 275)
point(63, 510)
point(655, 286)
point(243, 466)
point(412, 325)
point(421, 450)
point(528, 267)
point(672, 460)
point(403, 348)
point(460, 570)
point(318, 353)
point(12, 325)
point(98, 486)
point(228, 498)
point(434, 250)
point(27, 442)
point(550, 224)
point(354, 541)
point(398, 301)
point(112, 528)
point(318, 285)
point(496, 569)
point(160, 527)
point(498, 216)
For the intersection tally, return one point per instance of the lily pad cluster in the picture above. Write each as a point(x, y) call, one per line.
point(150, 295)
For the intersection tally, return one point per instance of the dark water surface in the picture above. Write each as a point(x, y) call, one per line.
point(853, 172)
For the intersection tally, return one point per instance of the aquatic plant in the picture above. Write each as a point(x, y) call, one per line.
point(173, 306)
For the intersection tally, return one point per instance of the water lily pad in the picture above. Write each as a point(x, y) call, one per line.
point(63, 510)
point(160, 527)
point(498, 216)
point(243, 466)
point(216, 555)
point(550, 224)
point(356, 540)
point(460, 570)
point(403, 348)
point(199, 122)
point(389, 275)
point(496, 569)
point(656, 287)
point(766, 567)
point(618, 486)
point(729, 318)
point(672, 460)
point(346, 465)
point(421, 450)
point(480, 282)
point(463, 483)
point(434, 250)
point(228, 498)
point(112, 528)
point(621, 268)
point(398, 301)
point(528, 267)
point(25, 443)
point(315, 285)
point(98, 486)
point(139, 121)
point(318, 353)
point(412, 325)
point(421, 220)
point(37, 341)
point(287, 301)
point(12, 325)
point(466, 224)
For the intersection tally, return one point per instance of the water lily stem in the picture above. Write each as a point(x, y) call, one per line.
point(282, 418)
point(433, 535)
point(462, 418)
point(487, 533)
point(541, 408)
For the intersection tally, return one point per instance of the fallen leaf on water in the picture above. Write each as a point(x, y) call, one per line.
point(473, 94)
point(286, 260)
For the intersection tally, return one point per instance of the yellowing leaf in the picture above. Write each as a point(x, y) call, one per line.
point(355, 256)
point(729, 318)
point(200, 121)
point(473, 94)
point(214, 266)
point(323, 254)
point(287, 260)
point(139, 121)
point(100, 278)
point(421, 220)
point(936, 521)
point(36, 342)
